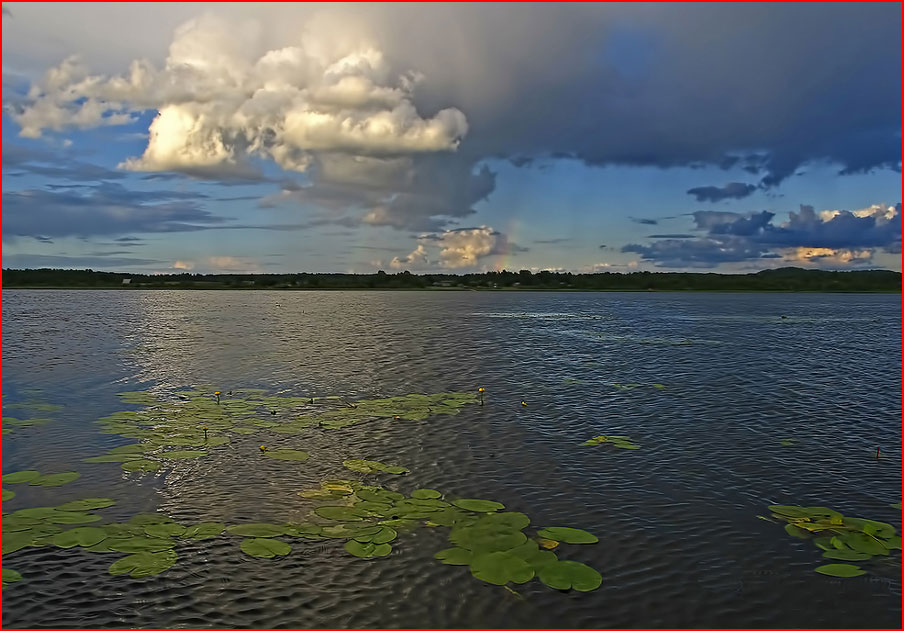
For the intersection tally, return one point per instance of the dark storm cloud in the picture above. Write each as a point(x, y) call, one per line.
point(34, 261)
point(104, 209)
point(732, 237)
point(732, 190)
point(53, 165)
point(552, 241)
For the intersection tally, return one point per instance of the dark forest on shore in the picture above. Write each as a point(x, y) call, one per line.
point(784, 279)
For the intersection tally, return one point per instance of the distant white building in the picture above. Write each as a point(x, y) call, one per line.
point(126, 281)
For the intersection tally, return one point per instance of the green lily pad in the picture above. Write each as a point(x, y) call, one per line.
point(179, 455)
point(265, 548)
point(140, 465)
point(567, 535)
point(10, 576)
point(55, 479)
point(863, 543)
point(372, 466)
point(258, 530)
point(8, 495)
point(512, 520)
point(384, 535)
point(367, 550)
point(309, 531)
point(482, 539)
point(840, 570)
point(21, 476)
point(846, 555)
point(795, 531)
point(164, 530)
point(40, 512)
point(426, 494)
point(455, 556)
point(478, 506)
point(204, 530)
point(500, 568)
point(287, 454)
point(65, 517)
point(112, 458)
point(135, 448)
point(243, 430)
point(348, 531)
point(90, 503)
point(146, 519)
point(144, 563)
point(85, 537)
point(341, 513)
point(570, 575)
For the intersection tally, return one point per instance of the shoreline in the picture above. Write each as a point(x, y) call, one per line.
point(460, 289)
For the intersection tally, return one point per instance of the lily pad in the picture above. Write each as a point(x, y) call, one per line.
point(21, 476)
point(84, 537)
point(8, 495)
point(10, 576)
point(384, 535)
point(164, 530)
point(455, 556)
point(500, 568)
point(258, 530)
point(287, 454)
point(55, 479)
point(341, 513)
point(66, 517)
point(265, 548)
point(144, 564)
point(846, 555)
point(840, 570)
point(367, 550)
point(372, 466)
point(570, 575)
point(90, 503)
point(426, 494)
point(204, 530)
point(567, 535)
point(478, 506)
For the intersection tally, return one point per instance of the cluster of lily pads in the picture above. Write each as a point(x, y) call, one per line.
point(36, 478)
point(368, 518)
point(622, 442)
point(488, 539)
point(10, 423)
point(840, 537)
point(194, 421)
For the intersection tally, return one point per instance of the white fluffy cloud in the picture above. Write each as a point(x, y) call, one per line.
point(221, 98)
point(456, 249)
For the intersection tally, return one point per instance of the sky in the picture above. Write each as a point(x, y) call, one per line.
point(266, 138)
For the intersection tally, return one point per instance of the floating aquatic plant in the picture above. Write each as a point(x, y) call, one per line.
point(372, 466)
point(8, 495)
point(144, 563)
point(11, 422)
point(55, 479)
point(787, 442)
point(10, 576)
point(265, 548)
point(195, 422)
point(622, 442)
point(839, 537)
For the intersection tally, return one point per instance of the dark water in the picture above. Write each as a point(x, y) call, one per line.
point(680, 543)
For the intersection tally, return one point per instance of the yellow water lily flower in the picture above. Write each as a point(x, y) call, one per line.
point(549, 544)
point(263, 448)
point(524, 404)
point(481, 389)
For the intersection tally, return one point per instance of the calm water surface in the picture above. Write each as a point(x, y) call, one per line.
point(680, 541)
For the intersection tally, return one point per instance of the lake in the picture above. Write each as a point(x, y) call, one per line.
point(737, 401)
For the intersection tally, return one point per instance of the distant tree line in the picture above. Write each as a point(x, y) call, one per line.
point(783, 279)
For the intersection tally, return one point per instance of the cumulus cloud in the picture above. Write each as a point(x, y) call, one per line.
point(417, 258)
point(456, 249)
point(732, 190)
point(827, 238)
point(221, 102)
